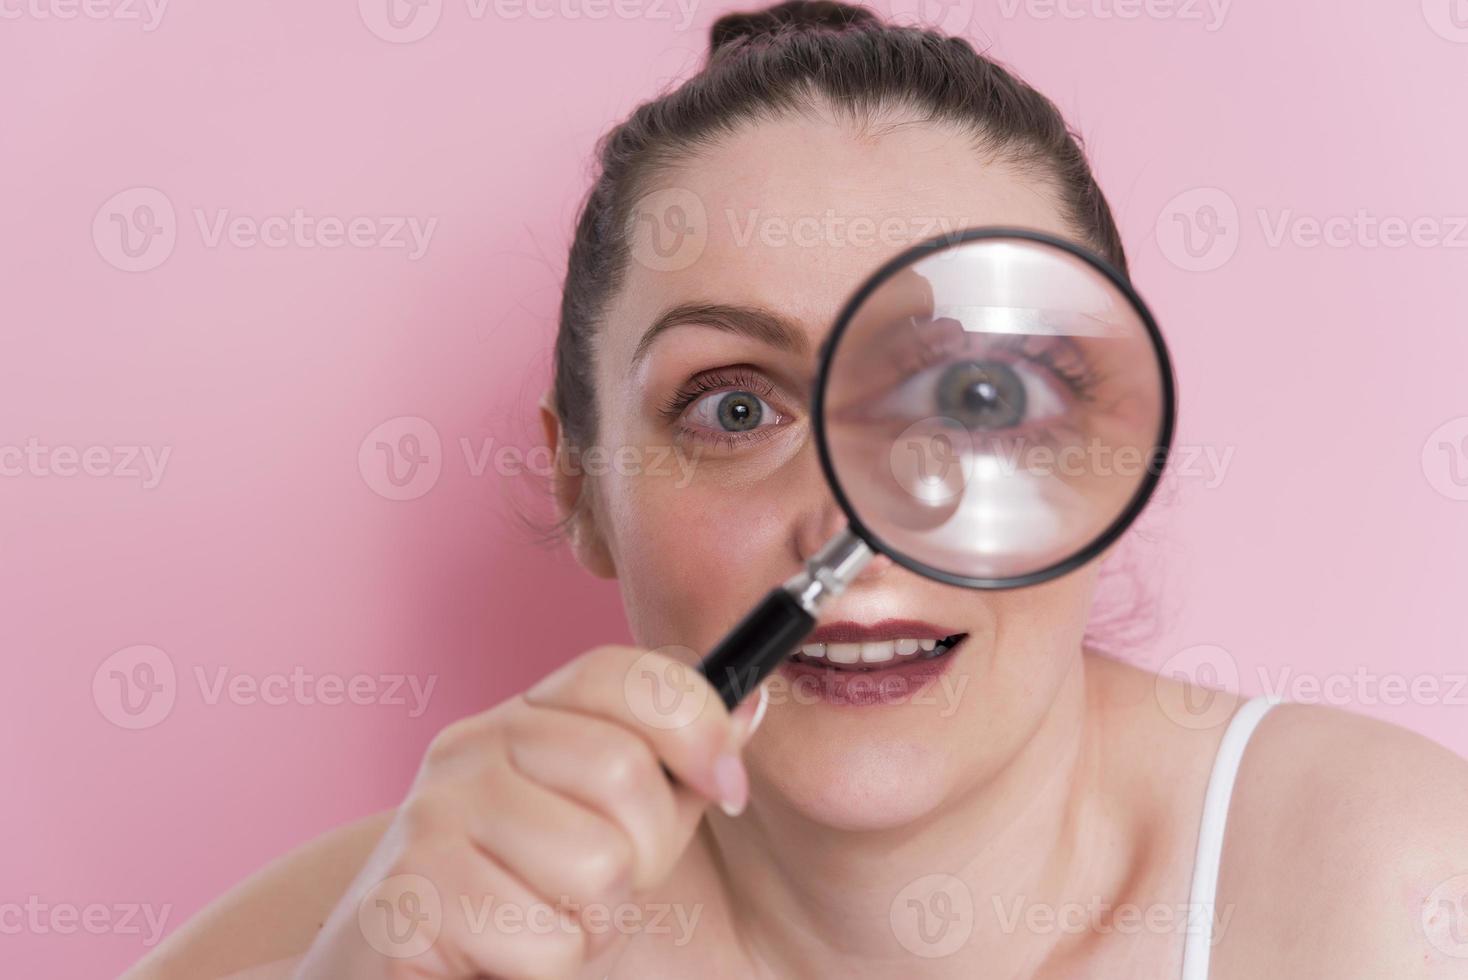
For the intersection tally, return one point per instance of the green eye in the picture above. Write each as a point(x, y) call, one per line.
point(982, 395)
point(740, 411)
point(734, 411)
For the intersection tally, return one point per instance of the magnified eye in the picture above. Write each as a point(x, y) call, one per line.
point(982, 394)
point(731, 411)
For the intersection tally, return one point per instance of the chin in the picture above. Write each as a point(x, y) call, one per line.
point(871, 785)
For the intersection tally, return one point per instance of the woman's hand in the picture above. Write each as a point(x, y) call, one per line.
point(527, 817)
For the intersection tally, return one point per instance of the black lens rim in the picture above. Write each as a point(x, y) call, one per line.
point(1161, 450)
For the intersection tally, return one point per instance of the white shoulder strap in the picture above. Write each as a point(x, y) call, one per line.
point(1199, 945)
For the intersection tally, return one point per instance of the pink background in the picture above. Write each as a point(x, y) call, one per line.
point(1334, 542)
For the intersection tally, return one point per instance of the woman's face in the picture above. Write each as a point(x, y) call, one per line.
point(716, 499)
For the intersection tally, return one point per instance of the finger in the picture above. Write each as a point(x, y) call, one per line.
point(614, 772)
point(561, 849)
point(460, 913)
point(663, 700)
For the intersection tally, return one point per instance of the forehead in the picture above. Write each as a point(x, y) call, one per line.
point(792, 214)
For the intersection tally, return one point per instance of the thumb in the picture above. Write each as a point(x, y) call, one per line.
point(729, 768)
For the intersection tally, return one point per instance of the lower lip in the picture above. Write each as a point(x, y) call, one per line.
point(859, 688)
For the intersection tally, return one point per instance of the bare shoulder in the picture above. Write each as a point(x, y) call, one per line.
point(258, 929)
point(1346, 853)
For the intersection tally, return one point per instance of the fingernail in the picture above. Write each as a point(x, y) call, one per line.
point(732, 782)
point(759, 712)
point(748, 715)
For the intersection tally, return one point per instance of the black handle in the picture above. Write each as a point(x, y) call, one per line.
point(759, 644)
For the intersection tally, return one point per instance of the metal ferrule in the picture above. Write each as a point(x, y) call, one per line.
point(829, 571)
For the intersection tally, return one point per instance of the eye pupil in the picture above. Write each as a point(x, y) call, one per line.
point(982, 395)
point(740, 411)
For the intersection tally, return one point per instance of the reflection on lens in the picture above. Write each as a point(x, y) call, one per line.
point(929, 463)
point(994, 407)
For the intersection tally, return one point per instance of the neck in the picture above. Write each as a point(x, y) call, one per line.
point(809, 900)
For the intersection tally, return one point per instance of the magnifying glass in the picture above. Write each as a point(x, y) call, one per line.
point(992, 409)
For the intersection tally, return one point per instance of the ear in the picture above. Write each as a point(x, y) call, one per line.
point(569, 488)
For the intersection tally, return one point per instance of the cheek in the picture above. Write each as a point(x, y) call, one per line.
point(1038, 633)
point(692, 555)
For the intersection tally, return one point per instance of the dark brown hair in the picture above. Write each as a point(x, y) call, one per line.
point(785, 59)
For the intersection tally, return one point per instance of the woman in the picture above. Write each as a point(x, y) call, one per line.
point(1039, 812)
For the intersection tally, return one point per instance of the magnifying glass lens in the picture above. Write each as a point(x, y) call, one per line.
point(994, 408)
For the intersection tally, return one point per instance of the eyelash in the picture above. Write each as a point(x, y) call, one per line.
point(738, 378)
point(1082, 381)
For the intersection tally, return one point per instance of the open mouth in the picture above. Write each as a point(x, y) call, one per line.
point(874, 655)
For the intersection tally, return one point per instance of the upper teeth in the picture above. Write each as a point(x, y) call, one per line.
point(867, 653)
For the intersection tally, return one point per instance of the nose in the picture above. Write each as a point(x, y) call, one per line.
point(823, 522)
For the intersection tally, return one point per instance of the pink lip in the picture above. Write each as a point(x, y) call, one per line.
point(893, 685)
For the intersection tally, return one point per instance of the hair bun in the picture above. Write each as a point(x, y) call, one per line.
point(785, 17)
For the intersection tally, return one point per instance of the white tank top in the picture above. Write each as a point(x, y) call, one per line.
point(1199, 944)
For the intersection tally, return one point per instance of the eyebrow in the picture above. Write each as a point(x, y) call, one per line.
point(750, 321)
